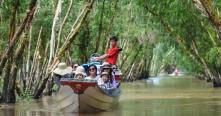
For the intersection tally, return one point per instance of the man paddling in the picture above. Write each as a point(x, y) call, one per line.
point(112, 54)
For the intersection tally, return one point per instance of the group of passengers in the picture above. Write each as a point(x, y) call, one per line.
point(102, 75)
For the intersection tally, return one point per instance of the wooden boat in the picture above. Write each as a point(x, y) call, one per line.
point(85, 96)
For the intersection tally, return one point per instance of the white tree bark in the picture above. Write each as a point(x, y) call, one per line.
point(53, 30)
point(62, 25)
point(200, 7)
point(29, 52)
point(76, 22)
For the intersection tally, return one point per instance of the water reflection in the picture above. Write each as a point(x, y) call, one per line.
point(162, 97)
point(156, 81)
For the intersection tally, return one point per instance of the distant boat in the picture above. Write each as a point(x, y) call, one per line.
point(179, 73)
point(85, 96)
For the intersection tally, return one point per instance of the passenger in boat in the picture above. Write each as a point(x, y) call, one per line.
point(106, 67)
point(74, 67)
point(106, 84)
point(80, 73)
point(92, 71)
point(62, 71)
point(112, 54)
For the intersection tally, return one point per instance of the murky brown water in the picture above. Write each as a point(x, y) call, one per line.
point(171, 96)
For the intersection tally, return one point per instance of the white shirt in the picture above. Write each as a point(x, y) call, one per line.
point(100, 81)
point(90, 78)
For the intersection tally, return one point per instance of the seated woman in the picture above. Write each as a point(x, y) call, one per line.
point(62, 71)
point(92, 71)
point(80, 73)
point(106, 67)
point(74, 67)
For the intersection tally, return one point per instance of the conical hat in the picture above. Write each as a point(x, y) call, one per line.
point(62, 69)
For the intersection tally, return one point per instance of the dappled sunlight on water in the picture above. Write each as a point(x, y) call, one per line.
point(166, 96)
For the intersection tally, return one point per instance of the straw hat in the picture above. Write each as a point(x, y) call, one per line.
point(106, 65)
point(104, 73)
point(62, 69)
point(80, 70)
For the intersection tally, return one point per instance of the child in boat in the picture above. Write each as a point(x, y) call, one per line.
point(105, 84)
point(80, 73)
point(92, 71)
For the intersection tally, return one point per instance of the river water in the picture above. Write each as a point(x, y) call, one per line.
point(165, 96)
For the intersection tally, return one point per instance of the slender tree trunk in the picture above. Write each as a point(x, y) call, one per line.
point(6, 75)
point(11, 97)
point(1, 5)
point(134, 59)
point(54, 27)
point(43, 73)
point(148, 67)
point(130, 72)
point(18, 89)
point(25, 24)
point(63, 24)
point(207, 70)
point(27, 68)
point(13, 20)
point(38, 93)
point(213, 16)
point(65, 46)
point(8, 64)
point(35, 63)
point(126, 56)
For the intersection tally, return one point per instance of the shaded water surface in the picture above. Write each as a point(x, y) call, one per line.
point(166, 96)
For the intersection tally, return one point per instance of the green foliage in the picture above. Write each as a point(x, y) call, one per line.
point(25, 96)
point(191, 26)
point(148, 31)
point(214, 56)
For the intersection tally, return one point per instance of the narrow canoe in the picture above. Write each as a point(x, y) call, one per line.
point(85, 96)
